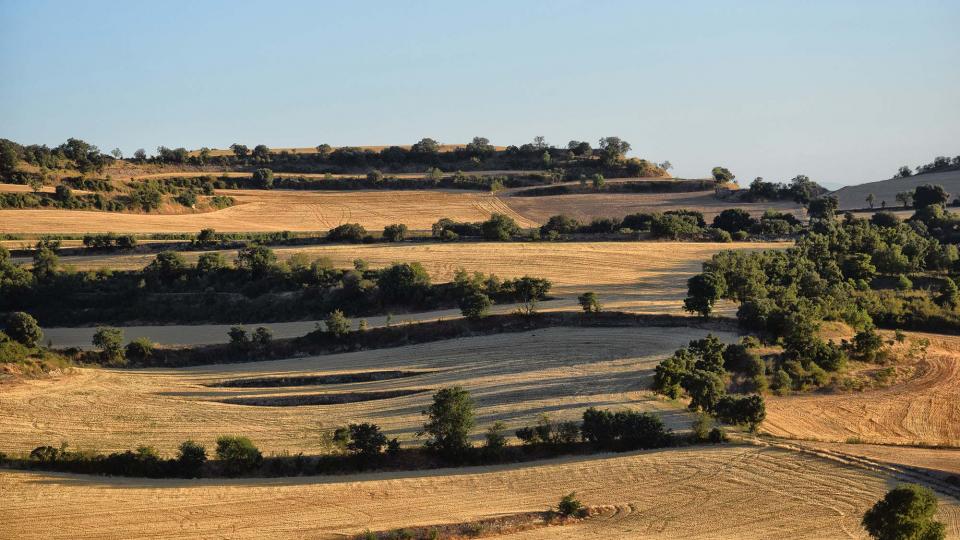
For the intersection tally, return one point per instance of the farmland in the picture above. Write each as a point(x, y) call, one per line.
point(749, 492)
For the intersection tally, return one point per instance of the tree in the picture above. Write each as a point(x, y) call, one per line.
point(337, 324)
point(743, 410)
point(261, 153)
point(598, 181)
point(499, 227)
point(733, 220)
point(366, 440)
point(8, 157)
point(348, 232)
point(495, 438)
point(451, 418)
point(703, 291)
point(722, 175)
point(395, 233)
point(425, 147)
point(117, 153)
point(705, 389)
point(110, 342)
point(238, 455)
point(258, 260)
point(168, 266)
point(905, 198)
point(238, 337)
point(239, 150)
point(480, 147)
point(823, 207)
point(949, 294)
point(589, 302)
point(870, 199)
point(190, 459)
point(147, 197)
point(528, 291)
point(23, 328)
point(903, 172)
point(45, 263)
point(905, 513)
point(140, 349)
point(404, 283)
point(929, 195)
point(263, 178)
point(140, 155)
point(613, 149)
point(474, 304)
point(262, 337)
point(211, 262)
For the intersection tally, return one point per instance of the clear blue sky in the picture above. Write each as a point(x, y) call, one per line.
point(844, 92)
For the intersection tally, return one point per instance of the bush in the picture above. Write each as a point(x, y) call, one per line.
point(499, 227)
point(474, 304)
point(110, 342)
point(570, 506)
point(366, 440)
point(589, 302)
point(23, 328)
point(337, 324)
point(263, 178)
point(743, 410)
point(348, 232)
point(450, 421)
point(404, 283)
point(717, 436)
point(140, 349)
point(238, 454)
point(238, 337)
point(262, 337)
point(494, 438)
point(623, 430)
point(905, 512)
point(395, 233)
point(190, 459)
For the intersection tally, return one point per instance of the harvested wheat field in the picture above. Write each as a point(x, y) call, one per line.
point(588, 206)
point(261, 210)
point(512, 377)
point(922, 408)
point(699, 492)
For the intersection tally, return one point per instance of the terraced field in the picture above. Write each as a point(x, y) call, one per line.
point(921, 409)
point(513, 378)
point(701, 492)
point(260, 210)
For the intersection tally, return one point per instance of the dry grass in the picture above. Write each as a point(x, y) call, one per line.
point(886, 190)
point(513, 378)
point(703, 492)
point(587, 207)
point(259, 210)
point(921, 409)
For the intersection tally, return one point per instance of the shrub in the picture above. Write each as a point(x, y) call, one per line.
point(238, 337)
point(499, 227)
point(474, 304)
point(263, 178)
point(495, 440)
point(110, 342)
point(238, 454)
point(348, 232)
point(190, 459)
point(570, 506)
point(262, 337)
point(905, 512)
point(23, 328)
point(395, 233)
point(366, 440)
point(450, 420)
point(404, 283)
point(720, 235)
point(337, 324)
point(140, 349)
point(717, 436)
point(743, 410)
point(589, 302)
point(904, 283)
point(623, 430)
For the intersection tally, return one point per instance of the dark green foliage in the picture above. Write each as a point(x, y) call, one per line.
point(905, 513)
point(560, 224)
point(866, 344)
point(366, 440)
point(675, 226)
point(403, 283)
point(742, 410)
point(570, 506)
point(348, 232)
point(703, 291)
point(450, 420)
point(263, 178)
point(722, 175)
point(238, 455)
point(258, 260)
point(495, 440)
point(23, 328)
point(949, 294)
point(474, 304)
point(395, 233)
point(261, 337)
point(709, 353)
point(733, 220)
point(929, 195)
point(337, 324)
point(823, 207)
point(239, 339)
point(705, 389)
point(191, 458)
point(110, 342)
point(139, 350)
point(146, 197)
point(623, 430)
point(499, 227)
point(168, 267)
point(589, 302)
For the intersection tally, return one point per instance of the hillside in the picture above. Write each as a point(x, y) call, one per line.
point(886, 190)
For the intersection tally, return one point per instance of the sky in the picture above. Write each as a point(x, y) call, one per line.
point(844, 92)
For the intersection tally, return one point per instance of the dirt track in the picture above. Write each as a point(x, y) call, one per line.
point(699, 492)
